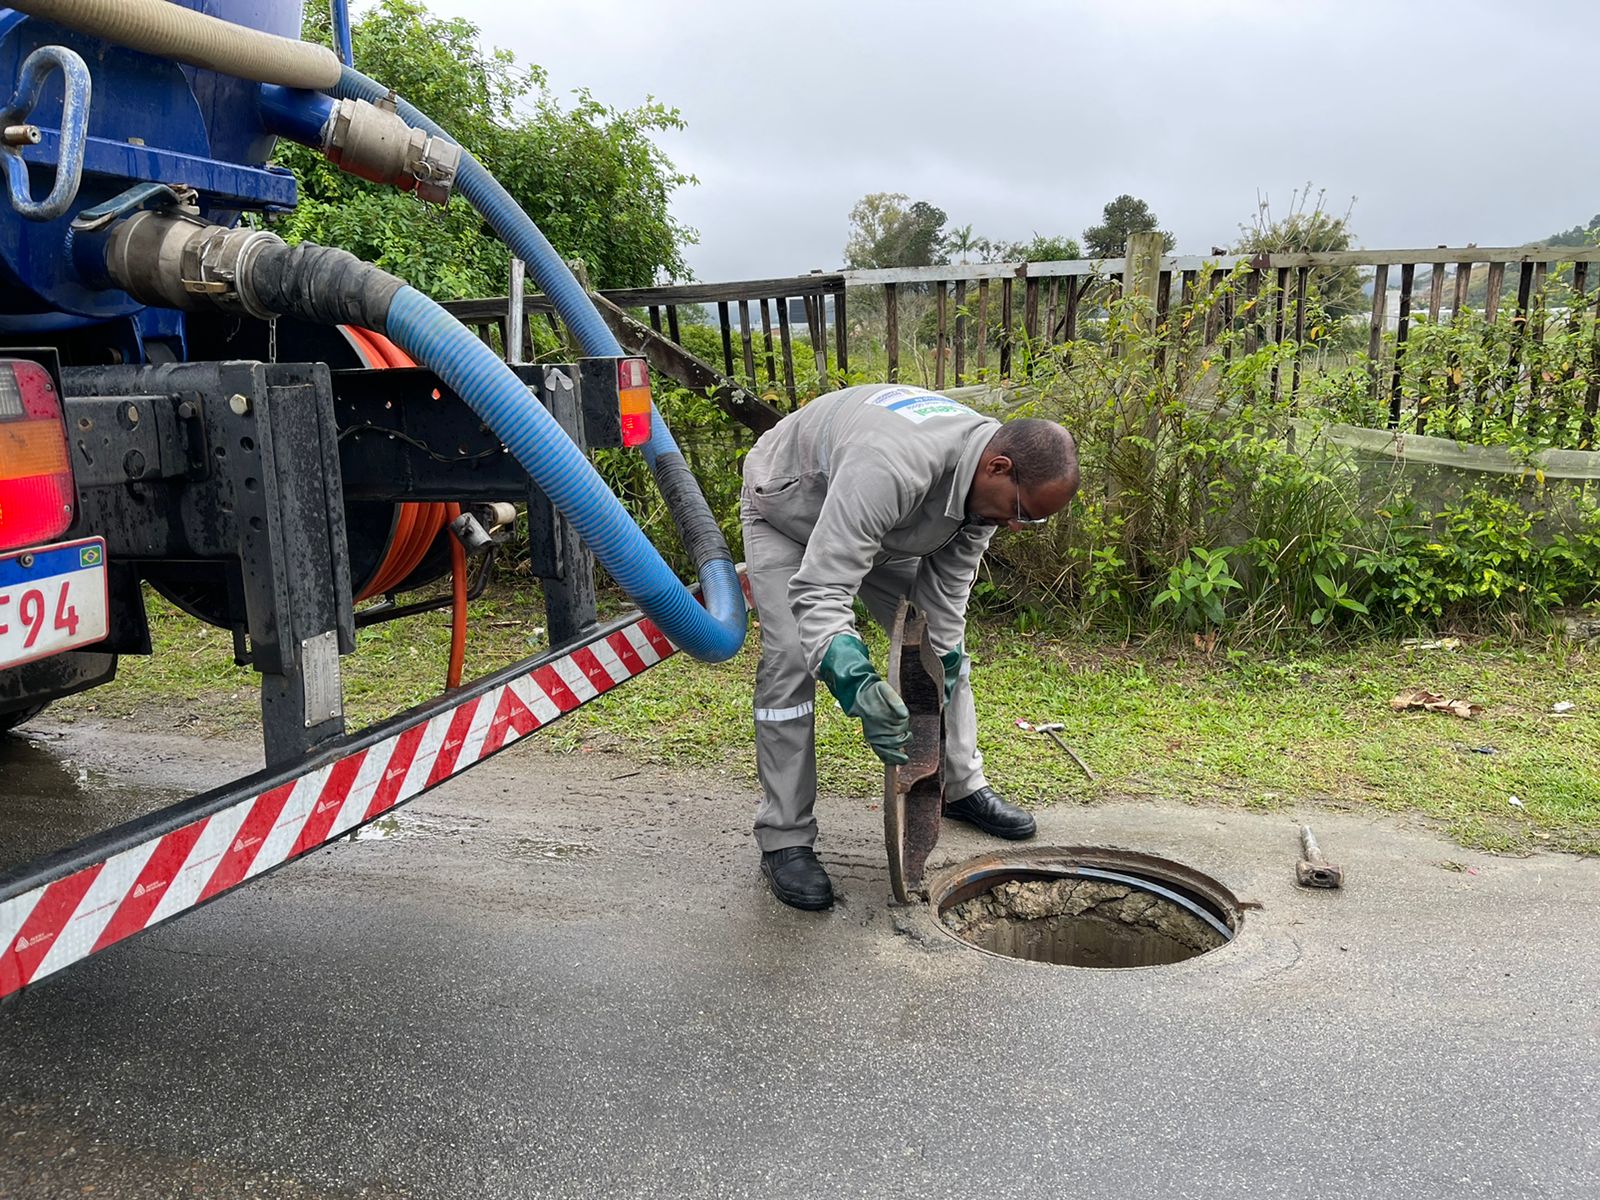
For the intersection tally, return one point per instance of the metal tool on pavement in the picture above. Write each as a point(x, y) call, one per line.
point(1313, 870)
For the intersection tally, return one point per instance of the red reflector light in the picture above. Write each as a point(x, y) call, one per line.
point(36, 489)
point(633, 398)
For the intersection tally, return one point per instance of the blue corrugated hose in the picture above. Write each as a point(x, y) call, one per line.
point(483, 191)
point(435, 338)
point(340, 15)
point(712, 633)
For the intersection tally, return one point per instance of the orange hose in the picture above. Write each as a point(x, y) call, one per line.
point(409, 545)
point(458, 601)
point(404, 518)
point(418, 525)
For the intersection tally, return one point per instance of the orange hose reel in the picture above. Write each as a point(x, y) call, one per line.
point(416, 526)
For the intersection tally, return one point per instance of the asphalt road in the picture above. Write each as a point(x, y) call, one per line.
point(558, 977)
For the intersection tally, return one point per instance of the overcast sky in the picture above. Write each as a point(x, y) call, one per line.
point(1450, 122)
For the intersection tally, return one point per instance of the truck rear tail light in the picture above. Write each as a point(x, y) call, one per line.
point(36, 489)
point(633, 396)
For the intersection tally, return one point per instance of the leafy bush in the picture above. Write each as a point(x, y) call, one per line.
point(591, 175)
point(1197, 587)
point(1212, 503)
point(1519, 382)
point(1209, 501)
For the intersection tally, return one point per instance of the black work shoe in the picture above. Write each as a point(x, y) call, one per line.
point(797, 878)
point(991, 812)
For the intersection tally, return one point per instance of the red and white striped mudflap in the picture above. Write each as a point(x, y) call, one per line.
point(141, 884)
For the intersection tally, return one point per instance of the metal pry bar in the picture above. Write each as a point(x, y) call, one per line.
point(1313, 870)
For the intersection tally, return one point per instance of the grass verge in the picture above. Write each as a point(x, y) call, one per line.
point(1241, 728)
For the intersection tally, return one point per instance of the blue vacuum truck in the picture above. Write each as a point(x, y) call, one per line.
point(268, 435)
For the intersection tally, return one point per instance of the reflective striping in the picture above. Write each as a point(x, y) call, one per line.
point(627, 658)
point(587, 661)
point(139, 904)
point(455, 737)
point(65, 920)
point(394, 771)
point(641, 645)
point(330, 805)
point(259, 818)
point(550, 682)
point(472, 748)
point(612, 662)
point(215, 838)
point(44, 926)
point(533, 698)
point(511, 720)
point(577, 682)
point(785, 714)
point(13, 915)
point(416, 776)
point(354, 809)
point(302, 806)
point(662, 643)
point(95, 910)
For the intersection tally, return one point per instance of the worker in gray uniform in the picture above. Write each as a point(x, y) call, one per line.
point(880, 492)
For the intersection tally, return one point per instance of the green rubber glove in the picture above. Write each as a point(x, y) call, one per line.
point(848, 673)
point(952, 660)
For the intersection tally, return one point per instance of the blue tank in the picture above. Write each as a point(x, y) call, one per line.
point(150, 120)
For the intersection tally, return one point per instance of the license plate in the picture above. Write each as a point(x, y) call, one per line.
point(52, 599)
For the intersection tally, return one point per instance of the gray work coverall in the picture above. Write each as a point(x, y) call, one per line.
point(861, 492)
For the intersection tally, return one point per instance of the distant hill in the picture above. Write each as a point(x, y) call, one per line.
point(1478, 285)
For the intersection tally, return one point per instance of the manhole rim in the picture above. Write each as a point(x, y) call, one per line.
point(942, 888)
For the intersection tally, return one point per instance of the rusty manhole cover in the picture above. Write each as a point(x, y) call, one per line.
point(913, 793)
point(1084, 907)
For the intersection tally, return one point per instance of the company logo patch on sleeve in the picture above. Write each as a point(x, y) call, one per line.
point(917, 404)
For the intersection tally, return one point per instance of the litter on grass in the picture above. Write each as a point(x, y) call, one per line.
point(1422, 698)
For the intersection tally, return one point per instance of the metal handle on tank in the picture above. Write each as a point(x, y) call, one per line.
point(36, 69)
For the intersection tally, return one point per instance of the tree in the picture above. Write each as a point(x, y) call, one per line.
point(1308, 228)
point(1040, 248)
point(1122, 216)
point(1578, 235)
point(886, 231)
point(590, 175)
point(962, 242)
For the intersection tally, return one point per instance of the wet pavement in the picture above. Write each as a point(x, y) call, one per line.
point(54, 791)
point(560, 976)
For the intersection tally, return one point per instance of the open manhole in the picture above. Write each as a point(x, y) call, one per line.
point(1084, 907)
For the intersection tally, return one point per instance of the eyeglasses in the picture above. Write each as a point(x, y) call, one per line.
point(1016, 482)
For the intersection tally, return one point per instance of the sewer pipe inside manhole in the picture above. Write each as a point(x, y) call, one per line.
point(1084, 907)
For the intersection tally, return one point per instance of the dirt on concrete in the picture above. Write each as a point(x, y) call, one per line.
point(1080, 922)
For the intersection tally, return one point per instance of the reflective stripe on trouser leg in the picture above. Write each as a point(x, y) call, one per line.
point(785, 694)
point(963, 761)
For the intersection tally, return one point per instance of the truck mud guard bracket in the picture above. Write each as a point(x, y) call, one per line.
point(62, 908)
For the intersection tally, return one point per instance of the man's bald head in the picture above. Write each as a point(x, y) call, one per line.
point(1028, 471)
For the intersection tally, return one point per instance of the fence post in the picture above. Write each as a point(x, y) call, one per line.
point(1130, 464)
point(1141, 281)
point(891, 330)
point(580, 272)
point(1141, 276)
point(516, 313)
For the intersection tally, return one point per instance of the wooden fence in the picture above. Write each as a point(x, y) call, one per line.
point(983, 314)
